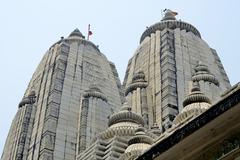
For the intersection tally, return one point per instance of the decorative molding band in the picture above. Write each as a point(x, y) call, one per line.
point(171, 24)
point(95, 94)
point(134, 86)
point(205, 77)
point(118, 131)
point(82, 41)
point(187, 115)
point(195, 98)
point(140, 139)
point(125, 116)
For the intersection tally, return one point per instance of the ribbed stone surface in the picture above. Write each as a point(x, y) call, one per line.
point(60, 119)
point(168, 53)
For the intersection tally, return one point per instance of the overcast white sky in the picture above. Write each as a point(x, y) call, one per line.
point(29, 27)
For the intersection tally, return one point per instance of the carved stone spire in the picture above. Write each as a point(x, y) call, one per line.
point(195, 96)
point(202, 73)
point(138, 81)
point(194, 104)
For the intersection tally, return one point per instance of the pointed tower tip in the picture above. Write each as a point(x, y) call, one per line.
point(77, 32)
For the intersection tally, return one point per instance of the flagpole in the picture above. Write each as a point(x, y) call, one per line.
point(88, 31)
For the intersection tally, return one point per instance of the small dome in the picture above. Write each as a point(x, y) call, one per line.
point(94, 92)
point(194, 104)
point(140, 137)
point(195, 96)
point(203, 73)
point(77, 33)
point(125, 115)
point(137, 144)
point(138, 81)
point(122, 123)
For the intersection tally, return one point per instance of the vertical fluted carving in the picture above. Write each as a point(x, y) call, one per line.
point(144, 106)
point(83, 125)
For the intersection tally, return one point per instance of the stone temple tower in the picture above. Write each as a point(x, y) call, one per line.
point(170, 56)
point(67, 102)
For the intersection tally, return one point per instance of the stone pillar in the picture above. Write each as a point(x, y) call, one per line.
point(83, 125)
point(92, 120)
point(209, 84)
point(24, 127)
point(136, 94)
point(144, 106)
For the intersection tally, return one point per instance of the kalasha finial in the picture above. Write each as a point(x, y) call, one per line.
point(169, 15)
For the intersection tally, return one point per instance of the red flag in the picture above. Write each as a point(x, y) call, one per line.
point(90, 33)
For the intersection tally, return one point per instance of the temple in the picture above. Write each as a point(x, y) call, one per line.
point(176, 102)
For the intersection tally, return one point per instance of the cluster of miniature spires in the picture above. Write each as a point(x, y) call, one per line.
point(127, 123)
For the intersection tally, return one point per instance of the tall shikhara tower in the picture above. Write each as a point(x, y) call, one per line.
point(170, 56)
point(70, 109)
point(67, 102)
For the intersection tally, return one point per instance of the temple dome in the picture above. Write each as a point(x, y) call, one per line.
point(122, 123)
point(140, 137)
point(125, 115)
point(194, 104)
